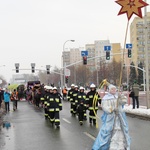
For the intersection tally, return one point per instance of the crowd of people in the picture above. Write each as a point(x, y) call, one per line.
point(80, 102)
point(114, 122)
point(50, 99)
point(113, 133)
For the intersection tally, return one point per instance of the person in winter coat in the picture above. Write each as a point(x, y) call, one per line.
point(38, 96)
point(93, 99)
point(7, 100)
point(74, 96)
point(81, 110)
point(70, 97)
point(81, 96)
point(1, 96)
point(135, 97)
point(54, 106)
point(64, 92)
point(14, 99)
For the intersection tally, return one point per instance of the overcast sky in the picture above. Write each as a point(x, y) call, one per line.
point(34, 31)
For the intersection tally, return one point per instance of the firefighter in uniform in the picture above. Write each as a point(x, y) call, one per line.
point(74, 96)
point(44, 101)
point(93, 99)
point(54, 107)
point(50, 94)
point(81, 110)
point(70, 97)
point(81, 96)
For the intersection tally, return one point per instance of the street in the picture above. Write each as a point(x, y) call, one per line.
point(30, 131)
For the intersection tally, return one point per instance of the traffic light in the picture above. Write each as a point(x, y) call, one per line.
point(48, 71)
point(32, 69)
point(84, 60)
point(66, 79)
point(129, 53)
point(107, 55)
point(17, 67)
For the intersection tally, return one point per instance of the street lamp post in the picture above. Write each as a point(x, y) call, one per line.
point(64, 65)
point(146, 61)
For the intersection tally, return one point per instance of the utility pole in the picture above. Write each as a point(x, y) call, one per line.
point(146, 60)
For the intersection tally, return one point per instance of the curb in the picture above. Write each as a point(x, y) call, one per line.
point(140, 116)
point(135, 115)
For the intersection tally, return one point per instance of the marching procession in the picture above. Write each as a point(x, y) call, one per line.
point(114, 122)
point(50, 100)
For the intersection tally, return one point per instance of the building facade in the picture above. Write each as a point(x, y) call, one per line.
point(137, 38)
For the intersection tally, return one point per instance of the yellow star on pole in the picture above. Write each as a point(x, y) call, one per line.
point(131, 7)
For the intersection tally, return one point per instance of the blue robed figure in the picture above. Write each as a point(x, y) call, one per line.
point(113, 134)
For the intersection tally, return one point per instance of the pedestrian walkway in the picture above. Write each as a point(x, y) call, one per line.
point(141, 111)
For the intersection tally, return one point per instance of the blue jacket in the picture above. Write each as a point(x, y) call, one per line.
point(6, 97)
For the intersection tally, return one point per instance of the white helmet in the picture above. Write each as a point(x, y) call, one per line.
point(92, 85)
point(75, 86)
point(72, 85)
point(81, 88)
point(49, 88)
point(54, 88)
point(45, 87)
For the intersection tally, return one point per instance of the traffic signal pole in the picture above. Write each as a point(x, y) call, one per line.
point(91, 59)
point(64, 74)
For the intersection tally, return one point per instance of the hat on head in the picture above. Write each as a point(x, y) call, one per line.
point(72, 85)
point(76, 86)
point(111, 86)
point(49, 88)
point(92, 85)
point(81, 88)
point(54, 88)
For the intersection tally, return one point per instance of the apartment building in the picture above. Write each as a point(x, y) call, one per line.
point(91, 54)
point(75, 56)
point(137, 38)
point(96, 54)
point(140, 39)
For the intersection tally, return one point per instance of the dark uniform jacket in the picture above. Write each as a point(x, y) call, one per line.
point(70, 94)
point(54, 103)
point(91, 101)
point(81, 109)
point(74, 96)
point(44, 97)
point(80, 96)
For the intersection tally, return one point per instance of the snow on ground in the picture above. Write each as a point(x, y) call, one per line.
point(143, 111)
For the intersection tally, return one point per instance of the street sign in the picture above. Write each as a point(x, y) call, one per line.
point(67, 72)
point(107, 48)
point(84, 53)
point(128, 46)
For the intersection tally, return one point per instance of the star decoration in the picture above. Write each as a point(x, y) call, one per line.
point(131, 7)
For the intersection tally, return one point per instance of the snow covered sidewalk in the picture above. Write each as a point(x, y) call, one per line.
point(142, 111)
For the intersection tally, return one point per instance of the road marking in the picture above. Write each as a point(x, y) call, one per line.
point(89, 135)
point(66, 121)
